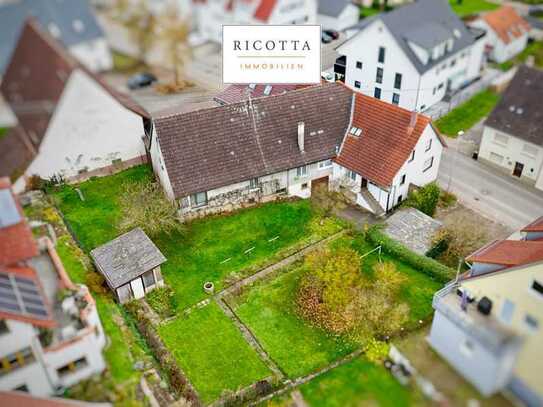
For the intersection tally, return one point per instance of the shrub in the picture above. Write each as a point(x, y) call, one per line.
point(424, 199)
point(95, 282)
point(376, 351)
point(446, 199)
point(34, 183)
point(426, 265)
point(162, 301)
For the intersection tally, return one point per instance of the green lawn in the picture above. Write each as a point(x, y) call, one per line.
point(3, 131)
point(212, 248)
point(468, 7)
point(299, 349)
point(212, 352)
point(355, 384)
point(268, 309)
point(369, 11)
point(468, 114)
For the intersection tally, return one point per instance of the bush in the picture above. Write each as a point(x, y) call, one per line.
point(447, 199)
point(95, 282)
point(428, 266)
point(376, 351)
point(425, 199)
point(162, 301)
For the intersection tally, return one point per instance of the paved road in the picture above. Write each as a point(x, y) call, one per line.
point(494, 195)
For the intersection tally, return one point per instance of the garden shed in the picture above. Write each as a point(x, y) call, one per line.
point(130, 264)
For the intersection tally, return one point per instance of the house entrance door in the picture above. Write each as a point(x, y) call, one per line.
point(364, 183)
point(517, 172)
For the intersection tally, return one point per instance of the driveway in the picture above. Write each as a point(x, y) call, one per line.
point(488, 192)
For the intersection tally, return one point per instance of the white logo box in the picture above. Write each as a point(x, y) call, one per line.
point(271, 54)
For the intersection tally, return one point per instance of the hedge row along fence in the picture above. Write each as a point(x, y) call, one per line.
point(426, 265)
point(179, 382)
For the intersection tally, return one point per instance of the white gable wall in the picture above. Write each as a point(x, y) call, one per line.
point(159, 168)
point(348, 17)
point(89, 129)
point(95, 54)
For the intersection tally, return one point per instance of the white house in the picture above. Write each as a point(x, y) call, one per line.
point(70, 123)
point(72, 22)
point(130, 264)
point(337, 14)
point(507, 33)
point(211, 15)
point(411, 56)
point(50, 332)
point(386, 150)
point(513, 133)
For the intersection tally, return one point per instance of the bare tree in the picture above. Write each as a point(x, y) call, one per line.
point(140, 22)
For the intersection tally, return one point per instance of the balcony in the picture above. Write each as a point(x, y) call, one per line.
point(340, 67)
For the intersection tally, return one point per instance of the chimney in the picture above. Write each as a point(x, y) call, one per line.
point(412, 122)
point(301, 136)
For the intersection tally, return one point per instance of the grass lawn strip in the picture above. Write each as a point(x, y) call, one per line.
point(212, 352)
point(468, 113)
point(200, 254)
point(470, 7)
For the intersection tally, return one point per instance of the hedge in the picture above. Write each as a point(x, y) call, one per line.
point(426, 265)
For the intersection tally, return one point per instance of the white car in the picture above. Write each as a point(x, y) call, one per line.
point(328, 76)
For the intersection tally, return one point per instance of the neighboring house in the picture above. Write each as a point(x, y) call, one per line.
point(536, 24)
point(411, 56)
point(72, 22)
point(513, 133)
point(50, 332)
point(507, 33)
point(211, 15)
point(130, 264)
point(239, 93)
point(386, 150)
point(22, 399)
point(337, 14)
point(286, 145)
point(489, 324)
point(71, 124)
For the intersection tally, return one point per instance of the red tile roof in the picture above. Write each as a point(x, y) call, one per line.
point(16, 241)
point(535, 226)
point(386, 140)
point(264, 10)
point(240, 93)
point(22, 399)
point(507, 23)
point(509, 252)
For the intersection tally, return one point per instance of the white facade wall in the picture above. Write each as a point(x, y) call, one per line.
point(157, 161)
point(348, 17)
point(500, 51)
point(418, 92)
point(89, 130)
point(505, 150)
point(95, 54)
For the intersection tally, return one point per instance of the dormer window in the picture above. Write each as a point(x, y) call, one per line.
point(54, 30)
point(78, 25)
point(268, 90)
point(457, 33)
point(355, 131)
point(450, 44)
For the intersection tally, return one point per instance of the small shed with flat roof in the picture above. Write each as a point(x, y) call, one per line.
point(130, 264)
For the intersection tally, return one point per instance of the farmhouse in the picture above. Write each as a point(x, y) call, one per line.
point(507, 33)
point(487, 324)
point(411, 56)
point(221, 158)
point(337, 14)
point(71, 124)
point(130, 265)
point(71, 22)
point(513, 133)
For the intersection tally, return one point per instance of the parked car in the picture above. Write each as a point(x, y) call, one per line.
point(332, 33)
point(325, 38)
point(328, 76)
point(141, 80)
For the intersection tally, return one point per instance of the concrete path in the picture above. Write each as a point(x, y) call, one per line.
point(487, 191)
point(359, 217)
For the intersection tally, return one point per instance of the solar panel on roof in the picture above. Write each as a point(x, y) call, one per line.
point(9, 215)
point(21, 295)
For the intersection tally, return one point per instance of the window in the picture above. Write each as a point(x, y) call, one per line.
point(453, 62)
point(428, 145)
point(268, 90)
point(530, 150)
point(508, 308)
point(355, 131)
point(116, 161)
point(440, 86)
point(72, 367)
point(377, 93)
point(148, 279)
point(351, 175)
point(381, 57)
point(301, 171)
point(428, 164)
point(398, 81)
point(496, 158)
point(538, 288)
point(3, 327)
point(379, 75)
point(83, 170)
point(304, 185)
point(500, 138)
point(531, 322)
point(358, 65)
point(325, 164)
point(400, 199)
point(402, 180)
point(16, 360)
point(412, 156)
point(198, 199)
point(434, 91)
point(396, 98)
point(22, 387)
point(357, 84)
point(253, 183)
